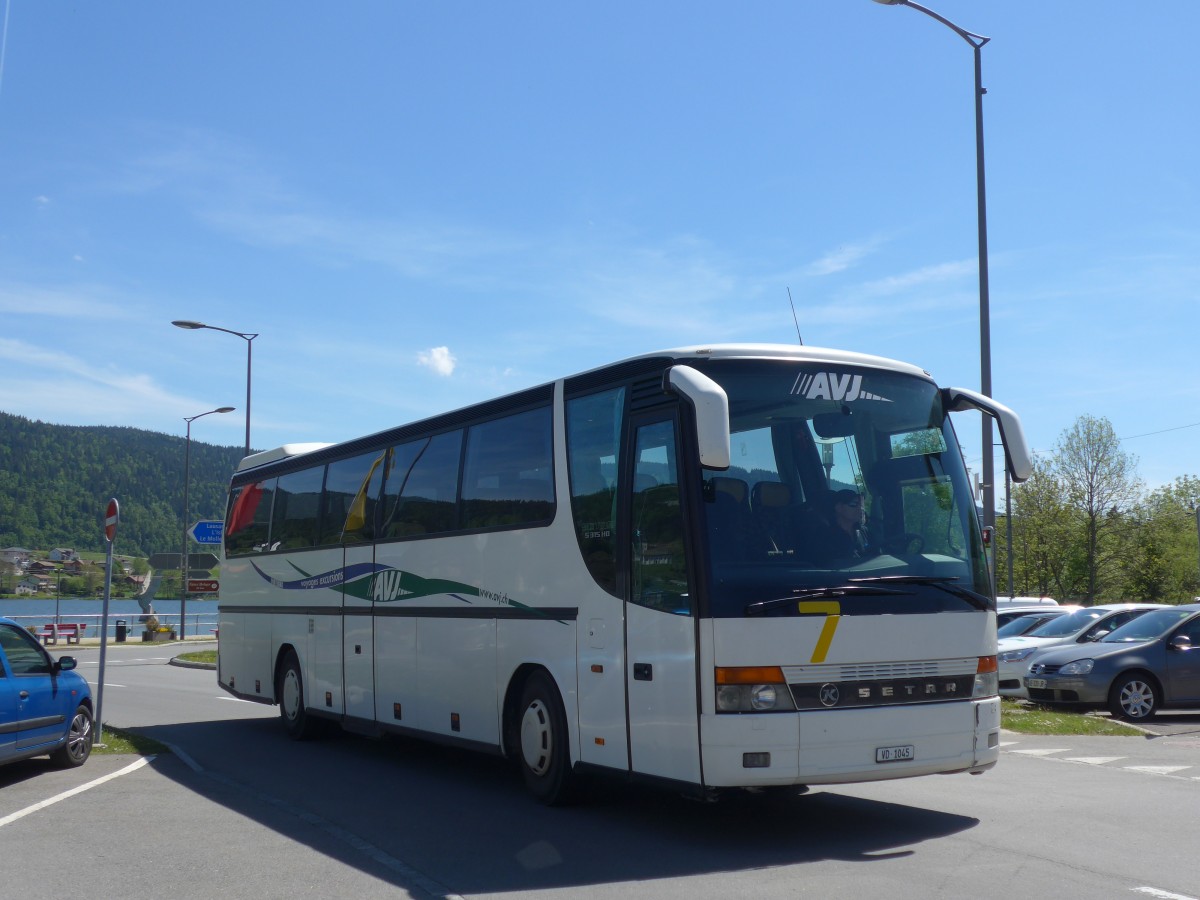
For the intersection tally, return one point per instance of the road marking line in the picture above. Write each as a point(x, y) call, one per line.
point(1042, 752)
point(1162, 895)
point(1095, 760)
point(76, 790)
point(234, 699)
point(1158, 770)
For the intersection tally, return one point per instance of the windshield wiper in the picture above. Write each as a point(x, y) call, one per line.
point(857, 590)
point(946, 583)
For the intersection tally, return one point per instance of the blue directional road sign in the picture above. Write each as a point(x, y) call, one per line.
point(207, 531)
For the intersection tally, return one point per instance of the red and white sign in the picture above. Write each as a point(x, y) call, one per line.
point(203, 585)
point(111, 516)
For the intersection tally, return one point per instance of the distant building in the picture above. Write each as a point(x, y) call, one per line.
point(63, 554)
point(17, 556)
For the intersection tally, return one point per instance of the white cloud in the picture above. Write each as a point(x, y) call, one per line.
point(439, 360)
point(842, 258)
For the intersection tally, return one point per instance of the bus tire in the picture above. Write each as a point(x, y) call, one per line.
point(290, 691)
point(543, 751)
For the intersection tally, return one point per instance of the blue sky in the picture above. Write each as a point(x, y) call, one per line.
point(419, 206)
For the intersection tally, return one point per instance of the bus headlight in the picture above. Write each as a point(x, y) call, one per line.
point(987, 679)
point(752, 689)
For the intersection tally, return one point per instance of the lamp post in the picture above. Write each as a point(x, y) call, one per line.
point(985, 330)
point(249, 339)
point(187, 478)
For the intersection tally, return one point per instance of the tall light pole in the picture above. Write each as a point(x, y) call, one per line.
point(249, 339)
point(187, 480)
point(985, 329)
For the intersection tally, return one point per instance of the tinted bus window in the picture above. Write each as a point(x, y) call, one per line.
point(297, 504)
point(248, 521)
point(351, 495)
point(593, 437)
point(508, 476)
point(421, 491)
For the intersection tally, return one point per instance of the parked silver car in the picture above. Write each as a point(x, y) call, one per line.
point(1145, 665)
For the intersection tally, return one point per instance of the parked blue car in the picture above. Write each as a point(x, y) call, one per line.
point(45, 706)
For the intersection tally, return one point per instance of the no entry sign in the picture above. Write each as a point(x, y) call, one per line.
point(111, 516)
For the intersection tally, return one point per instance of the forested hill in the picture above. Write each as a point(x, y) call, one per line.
point(56, 480)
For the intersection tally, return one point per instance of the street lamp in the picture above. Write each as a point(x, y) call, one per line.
point(985, 331)
point(249, 338)
point(187, 478)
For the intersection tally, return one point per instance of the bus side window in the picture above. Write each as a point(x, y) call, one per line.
point(351, 494)
point(660, 578)
point(248, 521)
point(421, 490)
point(297, 504)
point(593, 439)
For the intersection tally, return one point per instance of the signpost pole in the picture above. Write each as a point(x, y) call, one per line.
point(112, 516)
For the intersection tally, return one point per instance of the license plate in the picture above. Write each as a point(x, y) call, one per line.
point(1035, 682)
point(894, 754)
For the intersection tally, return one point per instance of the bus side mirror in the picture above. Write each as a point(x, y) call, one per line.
point(710, 404)
point(1016, 448)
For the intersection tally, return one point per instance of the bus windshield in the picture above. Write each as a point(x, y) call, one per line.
point(844, 481)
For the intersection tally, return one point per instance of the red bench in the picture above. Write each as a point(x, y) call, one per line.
point(69, 630)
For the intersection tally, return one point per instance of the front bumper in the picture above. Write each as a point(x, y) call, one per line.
point(1072, 689)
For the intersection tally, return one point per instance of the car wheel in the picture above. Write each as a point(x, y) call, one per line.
point(544, 756)
point(78, 748)
point(299, 724)
point(1133, 698)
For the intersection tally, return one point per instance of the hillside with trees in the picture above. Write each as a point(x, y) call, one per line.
point(55, 481)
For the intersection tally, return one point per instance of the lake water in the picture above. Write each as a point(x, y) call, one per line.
point(201, 614)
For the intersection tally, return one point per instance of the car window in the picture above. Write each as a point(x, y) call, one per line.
point(25, 654)
point(1065, 626)
point(1021, 625)
point(1147, 626)
point(1191, 631)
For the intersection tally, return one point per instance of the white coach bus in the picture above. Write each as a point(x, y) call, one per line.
point(741, 566)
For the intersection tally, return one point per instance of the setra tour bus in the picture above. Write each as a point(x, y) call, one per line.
point(736, 566)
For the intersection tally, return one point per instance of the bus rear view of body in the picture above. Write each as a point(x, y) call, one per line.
point(741, 566)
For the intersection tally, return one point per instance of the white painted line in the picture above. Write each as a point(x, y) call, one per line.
point(1004, 744)
point(12, 817)
point(234, 699)
point(1095, 760)
point(1157, 770)
point(1161, 895)
point(1042, 752)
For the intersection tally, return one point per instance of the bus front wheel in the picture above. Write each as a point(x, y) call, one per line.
point(299, 724)
point(544, 754)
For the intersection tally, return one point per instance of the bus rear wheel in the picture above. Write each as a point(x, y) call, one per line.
point(544, 754)
point(290, 691)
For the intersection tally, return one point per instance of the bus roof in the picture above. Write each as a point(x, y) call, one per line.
point(796, 352)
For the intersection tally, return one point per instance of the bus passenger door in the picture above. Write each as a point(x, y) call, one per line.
point(358, 633)
point(660, 635)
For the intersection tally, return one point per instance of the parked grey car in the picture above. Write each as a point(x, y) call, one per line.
point(1145, 665)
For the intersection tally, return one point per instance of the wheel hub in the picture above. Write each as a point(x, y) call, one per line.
point(537, 738)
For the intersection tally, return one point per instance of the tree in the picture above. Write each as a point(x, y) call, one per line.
point(1161, 565)
point(1046, 561)
point(1101, 485)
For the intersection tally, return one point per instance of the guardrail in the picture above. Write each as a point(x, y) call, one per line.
point(124, 628)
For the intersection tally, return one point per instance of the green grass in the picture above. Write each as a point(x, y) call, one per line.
point(118, 740)
point(1027, 718)
point(199, 656)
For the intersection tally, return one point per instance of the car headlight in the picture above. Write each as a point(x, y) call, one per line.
point(1078, 667)
point(1011, 656)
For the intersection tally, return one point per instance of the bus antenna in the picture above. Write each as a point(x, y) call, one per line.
point(794, 319)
